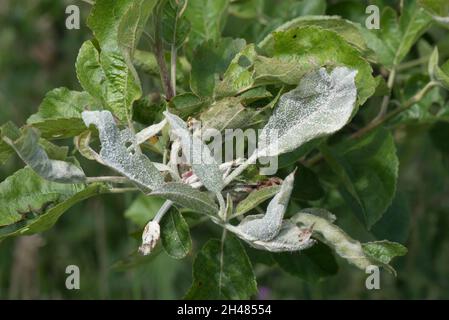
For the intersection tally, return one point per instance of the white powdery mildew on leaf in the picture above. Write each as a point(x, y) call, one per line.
point(270, 232)
point(321, 105)
point(333, 236)
point(120, 151)
point(29, 150)
point(267, 227)
point(150, 131)
point(197, 154)
point(290, 238)
point(188, 197)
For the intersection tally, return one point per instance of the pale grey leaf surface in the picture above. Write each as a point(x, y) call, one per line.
point(290, 238)
point(333, 236)
point(321, 105)
point(120, 151)
point(267, 227)
point(188, 197)
point(29, 150)
point(197, 154)
point(150, 131)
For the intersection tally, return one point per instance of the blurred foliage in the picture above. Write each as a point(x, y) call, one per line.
point(37, 53)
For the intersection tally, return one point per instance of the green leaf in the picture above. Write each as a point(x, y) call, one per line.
point(440, 74)
point(175, 26)
point(25, 192)
point(187, 197)
point(117, 39)
point(384, 251)
point(90, 72)
point(59, 114)
point(29, 150)
point(222, 272)
point(438, 9)
point(48, 219)
point(207, 18)
point(197, 154)
point(5, 150)
point(131, 26)
point(247, 9)
point(395, 223)
point(439, 133)
point(146, 61)
point(393, 41)
point(175, 234)
point(321, 105)
point(143, 209)
point(292, 157)
point(307, 186)
point(348, 30)
point(186, 104)
point(432, 107)
point(228, 113)
point(209, 63)
point(255, 94)
point(239, 75)
point(256, 198)
point(311, 265)
point(368, 170)
point(301, 50)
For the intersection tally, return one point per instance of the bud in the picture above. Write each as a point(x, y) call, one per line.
point(150, 237)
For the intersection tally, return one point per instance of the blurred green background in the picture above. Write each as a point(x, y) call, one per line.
point(37, 54)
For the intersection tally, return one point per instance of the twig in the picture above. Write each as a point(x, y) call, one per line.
point(122, 190)
point(107, 179)
point(220, 279)
point(160, 58)
point(412, 63)
point(386, 99)
point(251, 160)
point(374, 124)
point(162, 211)
point(173, 57)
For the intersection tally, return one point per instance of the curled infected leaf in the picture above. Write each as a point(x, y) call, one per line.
point(149, 132)
point(265, 228)
point(197, 154)
point(321, 105)
point(120, 151)
point(333, 236)
point(29, 150)
point(82, 142)
point(289, 239)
